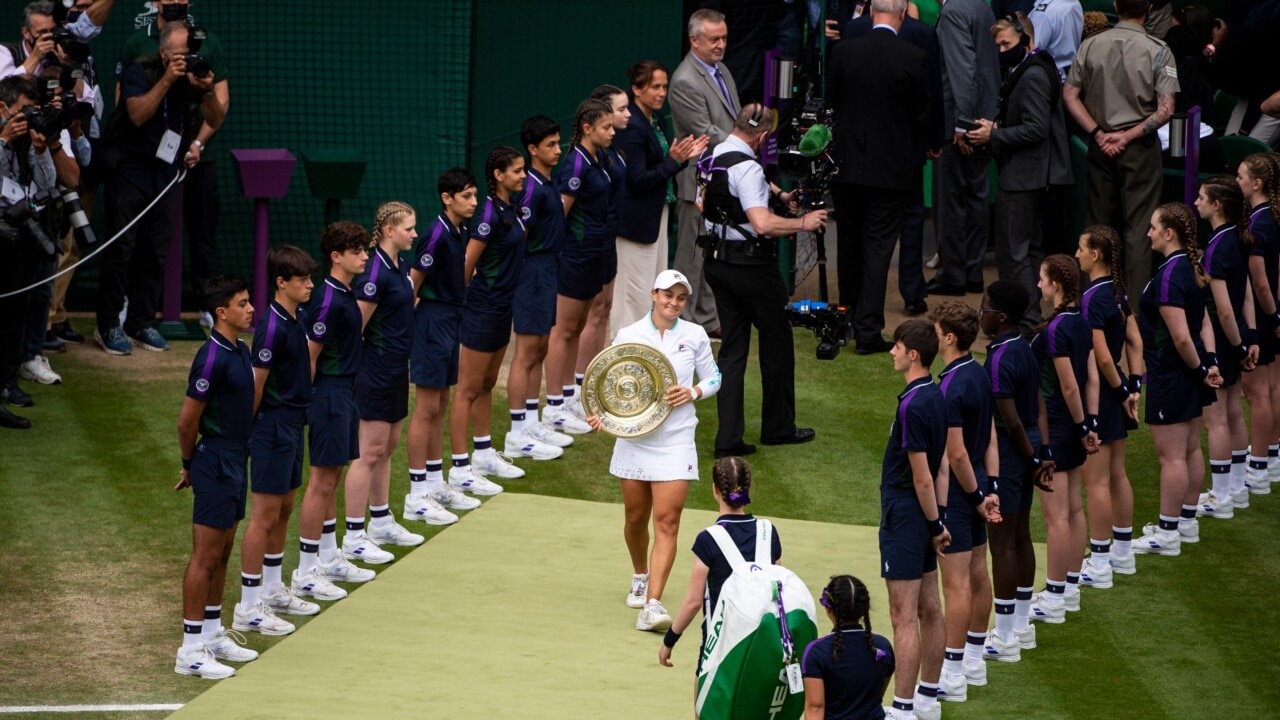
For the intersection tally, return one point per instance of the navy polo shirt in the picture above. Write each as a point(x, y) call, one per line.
point(1014, 373)
point(1067, 335)
point(967, 391)
point(138, 143)
point(742, 530)
point(617, 169)
point(1266, 244)
point(920, 425)
point(389, 334)
point(1175, 285)
point(851, 683)
point(498, 269)
point(543, 213)
point(581, 177)
point(280, 347)
point(1103, 311)
point(1224, 260)
point(335, 324)
point(222, 376)
point(441, 256)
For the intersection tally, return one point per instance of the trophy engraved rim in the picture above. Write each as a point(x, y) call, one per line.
point(625, 386)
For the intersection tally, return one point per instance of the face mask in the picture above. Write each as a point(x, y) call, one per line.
point(1010, 58)
point(173, 12)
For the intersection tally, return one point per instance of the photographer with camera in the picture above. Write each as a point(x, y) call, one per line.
point(742, 270)
point(200, 187)
point(162, 106)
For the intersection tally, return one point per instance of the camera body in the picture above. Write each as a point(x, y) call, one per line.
point(829, 323)
point(18, 222)
point(198, 65)
point(811, 169)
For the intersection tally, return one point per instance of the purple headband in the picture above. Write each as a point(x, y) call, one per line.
point(825, 600)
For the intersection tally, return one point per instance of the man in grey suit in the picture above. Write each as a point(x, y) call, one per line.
point(970, 85)
point(704, 101)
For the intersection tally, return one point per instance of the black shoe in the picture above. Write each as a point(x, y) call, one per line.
point(11, 421)
point(14, 395)
point(936, 288)
point(66, 334)
point(974, 288)
point(801, 435)
point(741, 451)
point(919, 307)
point(873, 347)
point(53, 343)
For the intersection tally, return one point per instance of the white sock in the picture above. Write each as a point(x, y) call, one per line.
point(417, 482)
point(1257, 469)
point(1022, 608)
point(1004, 620)
point(1220, 472)
point(355, 530)
point(1099, 553)
point(435, 475)
point(191, 633)
point(531, 410)
point(974, 642)
point(249, 586)
point(272, 566)
point(329, 541)
point(517, 422)
point(308, 554)
point(926, 695)
point(570, 391)
point(1188, 516)
point(1122, 541)
point(212, 622)
point(1238, 459)
point(380, 516)
point(1273, 454)
point(951, 659)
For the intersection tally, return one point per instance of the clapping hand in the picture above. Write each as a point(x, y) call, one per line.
point(688, 147)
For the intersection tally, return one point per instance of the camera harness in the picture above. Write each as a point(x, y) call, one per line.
point(719, 204)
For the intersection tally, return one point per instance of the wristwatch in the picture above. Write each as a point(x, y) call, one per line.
point(198, 144)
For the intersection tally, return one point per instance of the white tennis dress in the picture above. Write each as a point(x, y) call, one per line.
point(668, 453)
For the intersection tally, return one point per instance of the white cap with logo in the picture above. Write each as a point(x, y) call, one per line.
point(667, 278)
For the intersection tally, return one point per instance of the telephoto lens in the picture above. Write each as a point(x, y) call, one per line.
point(79, 220)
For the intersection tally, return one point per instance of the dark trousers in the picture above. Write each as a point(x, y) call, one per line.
point(1020, 221)
point(38, 306)
point(18, 272)
point(911, 283)
point(133, 266)
point(200, 209)
point(1123, 192)
point(870, 221)
point(961, 215)
point(748, 295)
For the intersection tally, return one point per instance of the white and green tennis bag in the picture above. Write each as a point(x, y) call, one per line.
point(761, 624)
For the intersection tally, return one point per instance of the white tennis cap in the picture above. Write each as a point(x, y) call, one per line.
point(668, 278)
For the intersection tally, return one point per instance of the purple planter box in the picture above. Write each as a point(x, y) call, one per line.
point(264, 173)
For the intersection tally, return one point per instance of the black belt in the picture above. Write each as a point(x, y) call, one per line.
point(754, 251)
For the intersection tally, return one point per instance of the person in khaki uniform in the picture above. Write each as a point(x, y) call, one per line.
point(1120, 90)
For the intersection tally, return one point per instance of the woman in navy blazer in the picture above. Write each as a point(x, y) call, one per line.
point(652, 164)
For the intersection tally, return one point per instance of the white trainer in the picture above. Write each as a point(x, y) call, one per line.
point(1125, 565)
point(261, 619)
point(1189, 530)
point(1001, 651)
point(1256, 485)
point(467, 480)
point(284, 601)
point(229, 645)
point(545, 434)
point(975, 673)
point(933, 712)
point(491, 462)
point(1100, 578)
point(313, 583)
point(557, 419)
point(892, 713)
point(1155, 541)
point(1071, 599)
point(525, 445)
point(1240, 498)
point(393, 533)
point(653, 618)
point(1212, 507)
point(953, 687)
point(37, 368)
point(454, 499)
point(573, 406)
point(1026, 637)
point(365, 549)
point(639, 589)
point(341, 570)
point(1048, 610)
point(426, 509)
point(199, 661)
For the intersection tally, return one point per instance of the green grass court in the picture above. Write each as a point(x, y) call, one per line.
point(516, 611)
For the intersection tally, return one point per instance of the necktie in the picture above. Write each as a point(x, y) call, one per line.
point(724, 90)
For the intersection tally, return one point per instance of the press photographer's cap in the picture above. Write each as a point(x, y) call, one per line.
point(667, 278)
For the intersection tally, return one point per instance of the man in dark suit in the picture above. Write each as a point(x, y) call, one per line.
point(879, 92)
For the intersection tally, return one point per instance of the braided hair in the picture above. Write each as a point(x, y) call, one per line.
point(1265, 167)
point(1179, 218)
point(732, 477)
point(849, 601)
point(500, 159)
point(590, 112)
point(1224, 190)
point(1105, 239)
point(1063, 270)
point(389, 213)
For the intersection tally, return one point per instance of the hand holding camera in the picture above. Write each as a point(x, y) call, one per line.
point(177, 69)
point(14, 128)
point(42, 47)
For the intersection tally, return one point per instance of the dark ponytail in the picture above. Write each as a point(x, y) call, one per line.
point(850, 602)
point(590, 111)
point(732, 477)
point(1105, 239)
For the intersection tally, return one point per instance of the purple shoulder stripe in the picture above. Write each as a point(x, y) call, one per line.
point(322, 315)
point(902, 417)
point(1051, 333)
point(804, 659)
point(270, 340)
point(1164, 282)
point(207, 372)
point(995, 367)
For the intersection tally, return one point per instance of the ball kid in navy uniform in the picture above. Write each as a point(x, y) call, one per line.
point(213, 439)
point(911, 526)
point(847, 671)
point(1259, 180)
point(282, 394)
point(333, 437)
point(437, 275)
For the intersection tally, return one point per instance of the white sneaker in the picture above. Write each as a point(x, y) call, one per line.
point(573, 406)
point(365, 549)
point(952, 688)
point(933, 712)
point(545, 434)
point(892, 713)
point(37, 368)
point(453, 499)
point(975, 673)
point(1026, 637)
point(1001, 651)
point(1256, 486)
point(491, 462)
point(1071, 599)
point(200, 662)
point(1189, 530)
point(557, 419)
point(467, 480)
point(228, 645)
point(260, 618)
point(1125, 565)
point(1155, 541)
point(1048, 610)
point(341, 570)
point(653, 618)
point(1240, 498)
point(1211, 506)
point(313, 583)
point(639, 589)
point(286, 602)
point(525, 445)
point(1095, 577)
point(393, 533)
point(426, 509)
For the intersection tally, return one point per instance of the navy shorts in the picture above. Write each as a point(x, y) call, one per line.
point(434, 360)
point(1111, 417)
point(906, 548)
point(220, 483)
point(1068, 451)
point(275, 450)
point(581, 277)
point(1016, 493)
point(1175, 396)
point(335, 431)
point(534, 307)
point(968, 529)
point(486, 326)
point(1266, 339)
point(382, 392)
point(609, 263)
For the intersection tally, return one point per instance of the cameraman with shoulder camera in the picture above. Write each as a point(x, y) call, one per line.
point(162, 106)
point(742, 270)
point(200, 188)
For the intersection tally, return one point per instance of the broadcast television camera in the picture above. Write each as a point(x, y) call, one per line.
point(830, 323)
